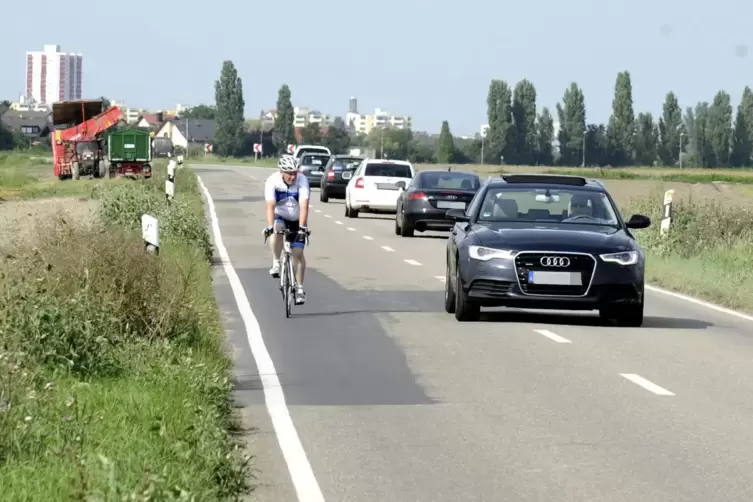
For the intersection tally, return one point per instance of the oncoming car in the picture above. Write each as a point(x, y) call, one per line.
point(545, 242)
point(374, 186)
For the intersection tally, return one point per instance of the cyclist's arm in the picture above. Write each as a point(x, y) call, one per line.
point(304, 192)
point(271, 201)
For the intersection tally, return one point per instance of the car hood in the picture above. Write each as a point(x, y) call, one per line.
point(585, 238)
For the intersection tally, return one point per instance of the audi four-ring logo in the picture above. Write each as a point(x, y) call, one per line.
point(555, 261)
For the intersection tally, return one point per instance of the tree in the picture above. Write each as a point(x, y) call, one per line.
point(200, 112)
point(544, 138)
point(284, 132)
point(720, 129)
point(445, 148)
point(572, 117)
point(524, 120)
point(621, 127)
point(499, 114)
point(742, 142)
point(337, 138)
point(311, 134)
point(229, 127)
point(646, 140)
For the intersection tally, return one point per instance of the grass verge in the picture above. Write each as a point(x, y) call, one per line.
point(114, 384)
point(233, 161)
point(708, 252)
point(24, 176)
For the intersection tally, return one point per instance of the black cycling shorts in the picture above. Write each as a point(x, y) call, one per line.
point(296, 240)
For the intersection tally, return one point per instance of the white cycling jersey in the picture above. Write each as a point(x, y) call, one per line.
point(287, 197)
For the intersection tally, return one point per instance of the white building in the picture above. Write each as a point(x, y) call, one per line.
point(52, 75)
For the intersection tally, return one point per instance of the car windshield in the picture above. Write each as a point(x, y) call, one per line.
point(545, 205)
point(314, 160)
point(346, 163)
point(449, 180)
point(390, 170)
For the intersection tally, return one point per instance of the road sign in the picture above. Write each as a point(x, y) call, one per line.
point(291, 148)
point(257, 148)
point(150, 233)
point(208, 148)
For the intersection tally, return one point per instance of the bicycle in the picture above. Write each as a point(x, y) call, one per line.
point(287, 274)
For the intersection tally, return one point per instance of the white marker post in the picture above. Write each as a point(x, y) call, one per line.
point(150, 233)
point(170, 182)
point(667, 216)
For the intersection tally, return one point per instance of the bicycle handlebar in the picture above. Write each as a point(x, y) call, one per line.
point(286, 232)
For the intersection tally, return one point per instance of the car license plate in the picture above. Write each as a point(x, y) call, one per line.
point(555, 278)
point(442, 204)
point(315, 173)
point(386, 186)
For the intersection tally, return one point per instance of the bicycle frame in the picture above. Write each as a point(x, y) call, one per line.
point(288, 280)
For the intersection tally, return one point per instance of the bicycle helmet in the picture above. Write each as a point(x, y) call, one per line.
point(287, 164)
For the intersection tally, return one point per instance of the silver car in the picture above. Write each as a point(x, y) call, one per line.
point(312, 166)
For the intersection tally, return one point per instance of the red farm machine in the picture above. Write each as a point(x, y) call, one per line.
point(77, 147)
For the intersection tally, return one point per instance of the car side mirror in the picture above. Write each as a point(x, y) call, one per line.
point(401, 185)
point(638, 221)
point(457, 215)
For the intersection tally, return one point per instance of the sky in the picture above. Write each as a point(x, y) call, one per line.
point(430, 60)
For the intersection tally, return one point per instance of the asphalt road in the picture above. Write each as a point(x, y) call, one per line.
point(393, 400)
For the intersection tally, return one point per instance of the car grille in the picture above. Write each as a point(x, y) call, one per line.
point(527, 261)
point(489, 289)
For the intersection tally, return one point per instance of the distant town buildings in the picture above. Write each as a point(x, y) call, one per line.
point(52, 75)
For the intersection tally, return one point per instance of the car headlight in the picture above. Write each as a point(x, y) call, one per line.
point(622, 258)
point(485, 254)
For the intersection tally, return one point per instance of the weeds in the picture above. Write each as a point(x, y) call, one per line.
point(708, 251)
point(113, 382)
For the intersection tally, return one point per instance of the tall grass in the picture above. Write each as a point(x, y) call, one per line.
point(708, 251)
point(113, 381)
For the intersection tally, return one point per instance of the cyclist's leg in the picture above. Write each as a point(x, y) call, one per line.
point(276, 247)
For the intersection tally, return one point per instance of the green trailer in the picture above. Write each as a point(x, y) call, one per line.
point(129, 153)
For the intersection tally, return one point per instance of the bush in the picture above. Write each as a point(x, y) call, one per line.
point(113, 382)
point(707, 252)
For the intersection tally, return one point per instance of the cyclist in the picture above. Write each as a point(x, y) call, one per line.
point(287, 199)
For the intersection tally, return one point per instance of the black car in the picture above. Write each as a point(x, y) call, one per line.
point(337, 175)
point(312, 165)
point(545, 242)
point(423, 204)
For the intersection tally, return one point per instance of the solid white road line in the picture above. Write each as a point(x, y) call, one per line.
point(368, 238)
point(351, 229)
point(649, 386)
point(440, 278)
point(552, 336)
point(306, 485)
point(412, 262)
point(709, 305)
point(387, 248)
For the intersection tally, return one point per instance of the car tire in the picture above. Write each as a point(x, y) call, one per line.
point(323, 195)
point(406, 229)
point(449, 292)
point(350, 212)
point(465, 310)
point(397, 226)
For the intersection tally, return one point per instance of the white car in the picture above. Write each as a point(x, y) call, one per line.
point(301, 149)
point(375, 186)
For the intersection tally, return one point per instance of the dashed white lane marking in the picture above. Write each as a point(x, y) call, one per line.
point(338, 222)
point(387, 248)
point(327, 216)
point(552, 336)
point(412, 262)
point(649, 386)
point(318, 211)
point(440, 278)
point(351, 229)
point(305, 483)
point(368, 238)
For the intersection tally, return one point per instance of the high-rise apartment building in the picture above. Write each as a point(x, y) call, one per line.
point(52, 75)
